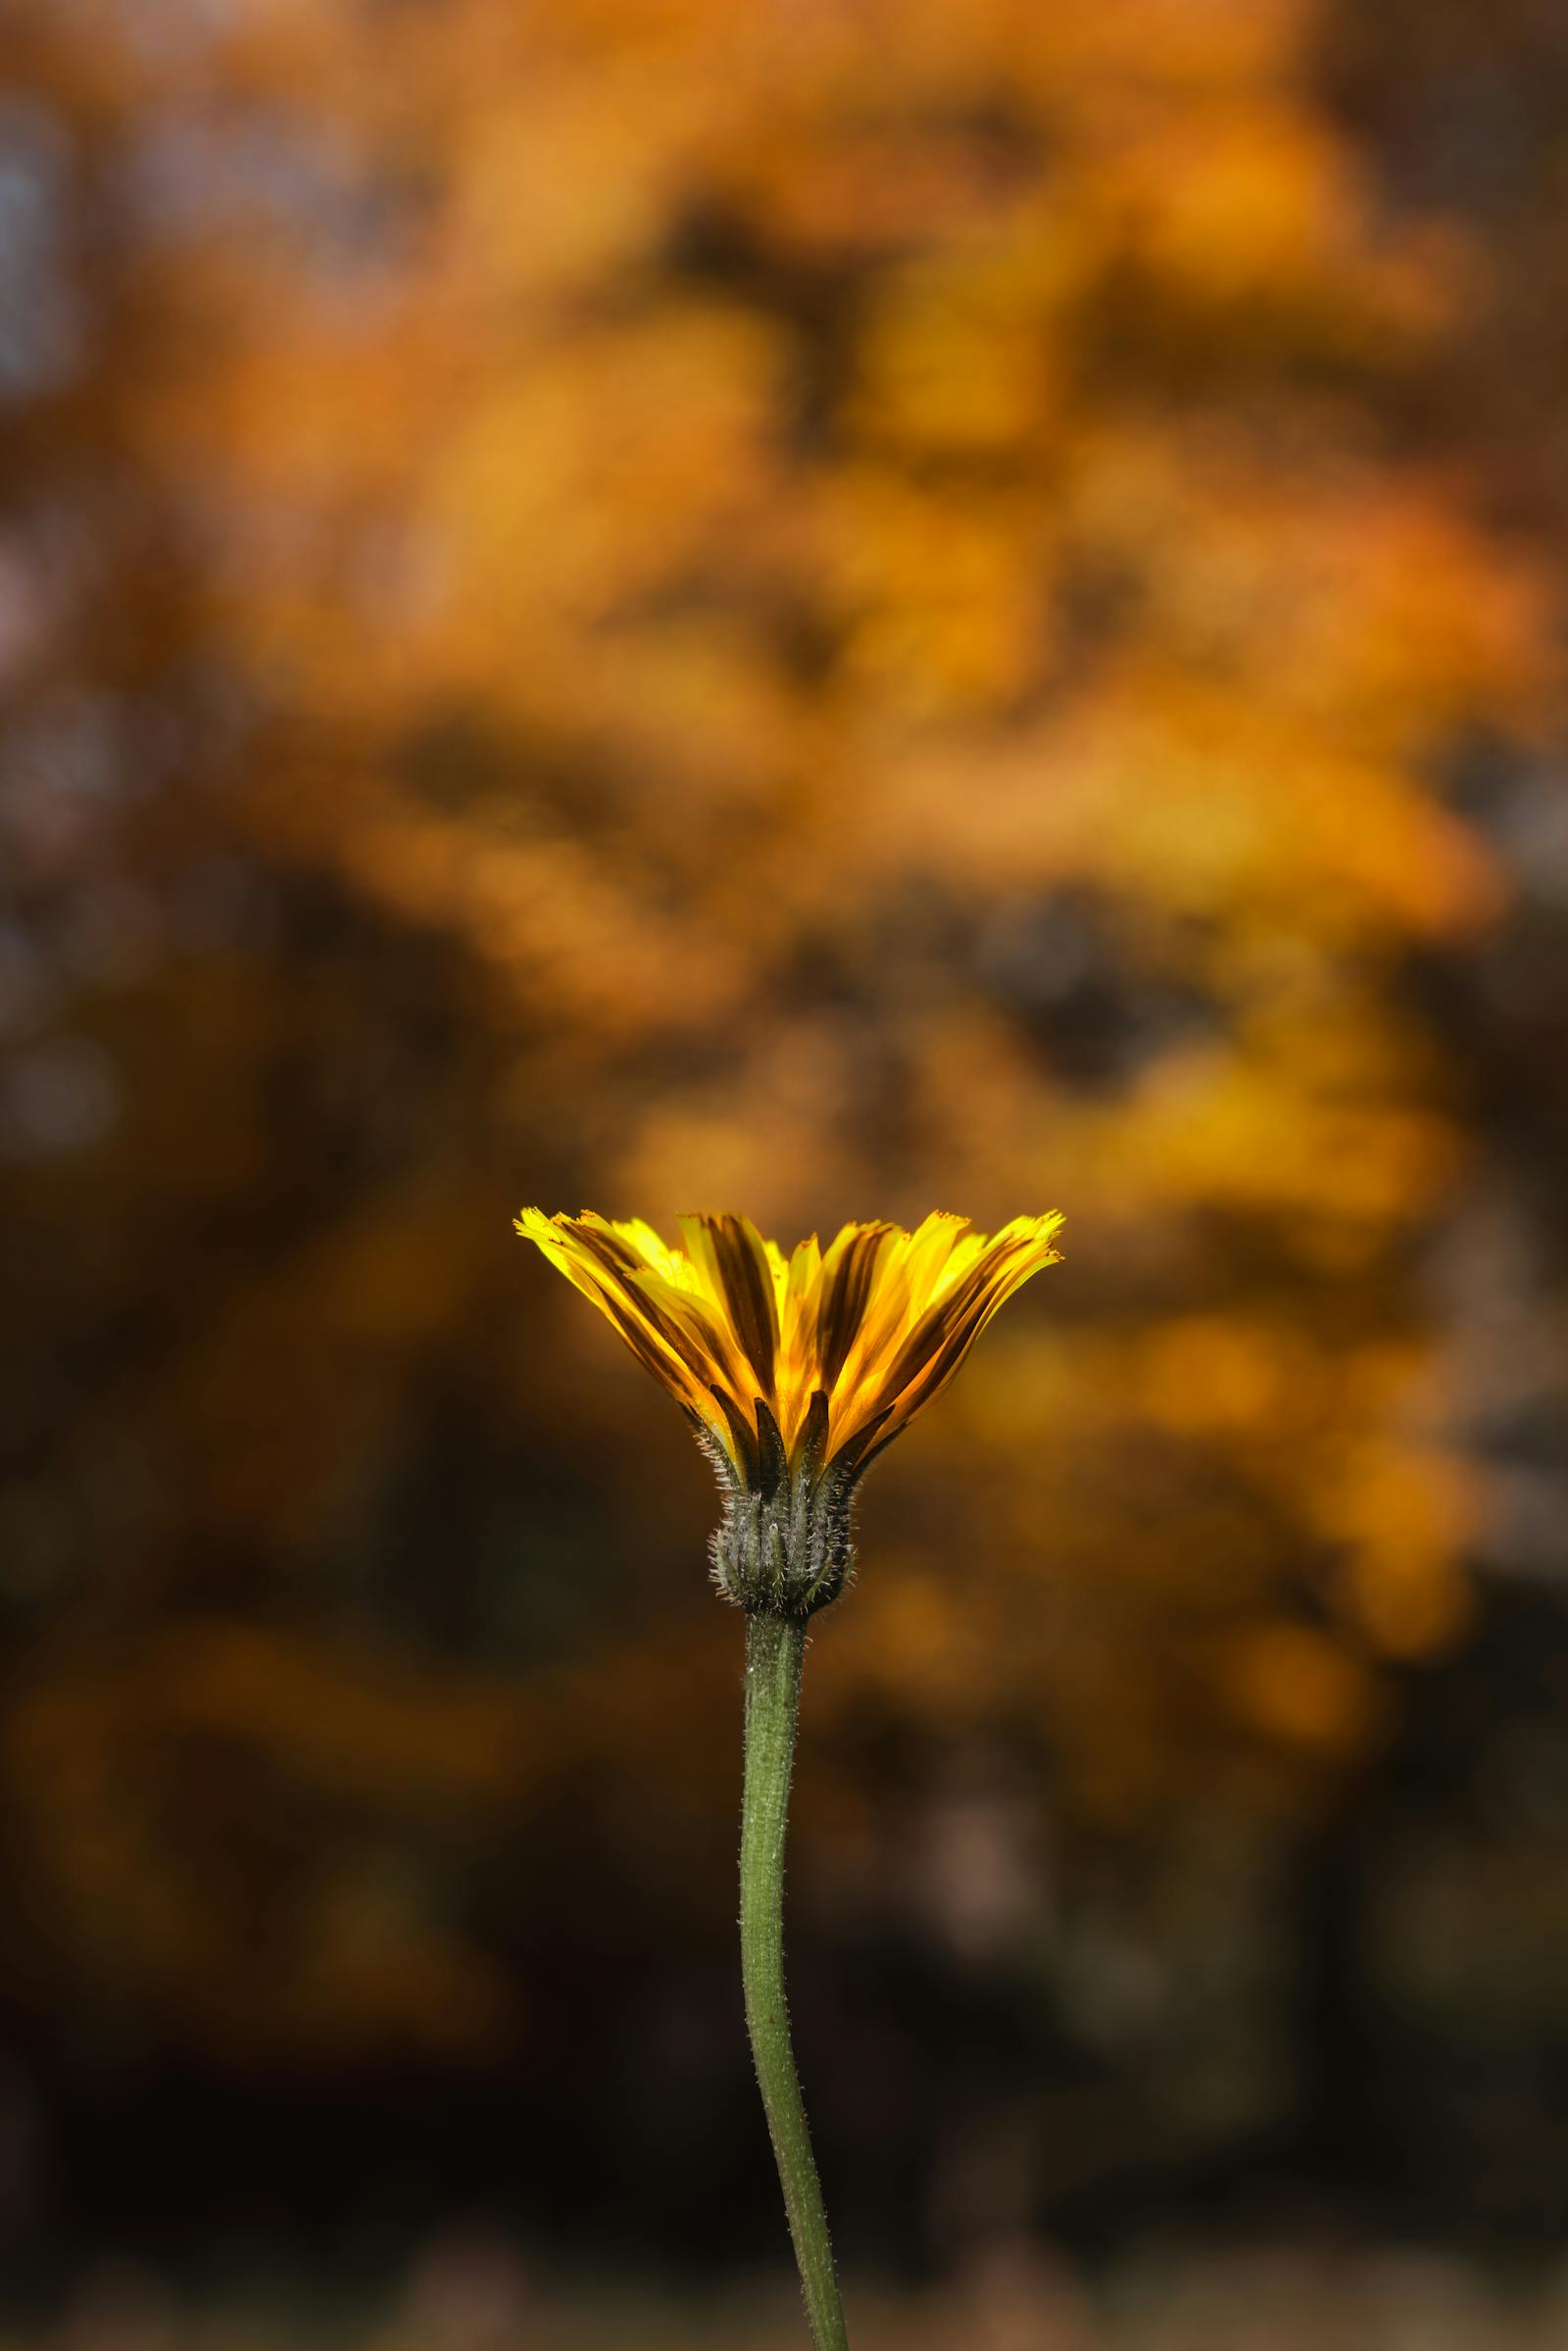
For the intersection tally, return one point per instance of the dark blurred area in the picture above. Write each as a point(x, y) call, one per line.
point(833, 609)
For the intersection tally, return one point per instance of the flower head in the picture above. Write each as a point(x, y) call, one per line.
point(796, 1371)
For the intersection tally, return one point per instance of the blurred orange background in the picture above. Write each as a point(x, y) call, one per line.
point(829, 608)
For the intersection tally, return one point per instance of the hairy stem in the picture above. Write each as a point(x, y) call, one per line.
point(775, 1646)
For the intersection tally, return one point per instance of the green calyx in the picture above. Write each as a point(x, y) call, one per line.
point(783, 1547)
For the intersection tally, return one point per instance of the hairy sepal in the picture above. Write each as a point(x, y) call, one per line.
point(783, 1546)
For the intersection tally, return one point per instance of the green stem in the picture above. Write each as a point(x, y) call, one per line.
point(775, 1647)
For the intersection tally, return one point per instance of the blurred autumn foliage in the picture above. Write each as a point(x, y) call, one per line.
point(830, 608)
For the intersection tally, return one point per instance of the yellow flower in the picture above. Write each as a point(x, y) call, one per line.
point(823, 1356)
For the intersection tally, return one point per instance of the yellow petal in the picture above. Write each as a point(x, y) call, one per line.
point(879, 1321)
